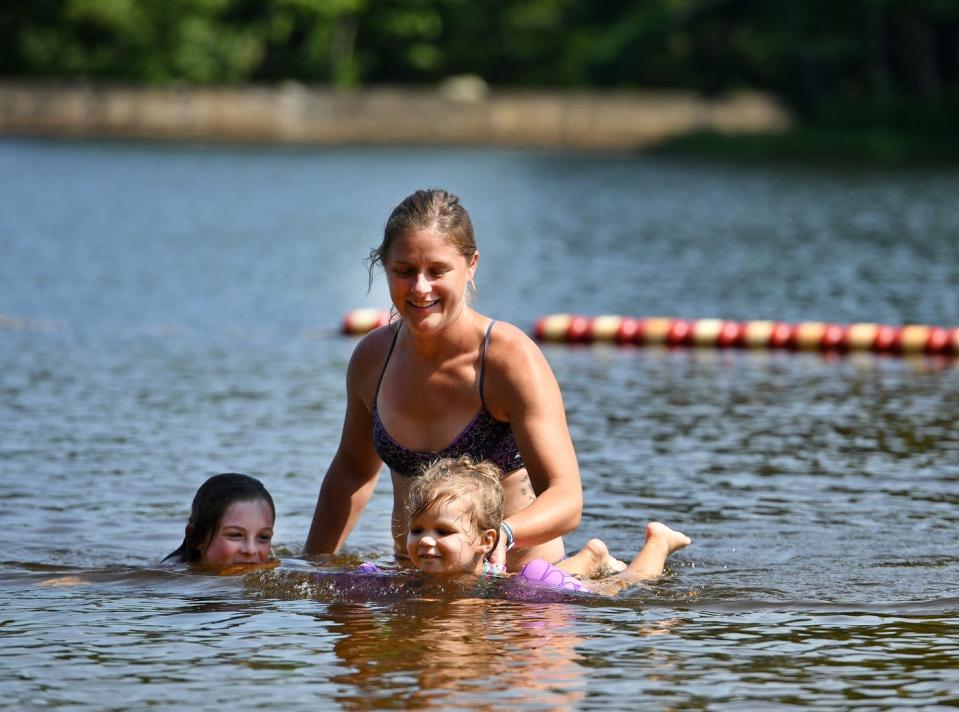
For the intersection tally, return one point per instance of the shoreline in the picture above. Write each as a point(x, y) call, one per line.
point(450, 115)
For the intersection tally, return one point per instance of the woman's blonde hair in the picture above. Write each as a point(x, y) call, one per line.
point(451, 478)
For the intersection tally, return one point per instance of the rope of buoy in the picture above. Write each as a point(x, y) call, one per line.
point(717, 333)
point(721, 333)
point(362, 321)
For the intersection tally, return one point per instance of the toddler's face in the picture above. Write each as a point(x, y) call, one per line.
point(443, 540)
point(244, 536)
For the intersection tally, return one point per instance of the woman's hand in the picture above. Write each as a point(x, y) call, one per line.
point(504, 542)
point(497, 556)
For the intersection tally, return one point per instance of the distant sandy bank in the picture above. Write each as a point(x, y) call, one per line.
point(451, 115)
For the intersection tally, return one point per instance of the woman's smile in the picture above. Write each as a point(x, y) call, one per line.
point(428, 276)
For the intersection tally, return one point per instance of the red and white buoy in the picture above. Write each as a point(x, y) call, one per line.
point(720, 333)
point(362, 321)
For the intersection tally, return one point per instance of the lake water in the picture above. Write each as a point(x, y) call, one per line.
point(172, 312)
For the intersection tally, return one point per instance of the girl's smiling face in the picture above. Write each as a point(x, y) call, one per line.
point(444, 540)
point(243, 537)
point(427, 277)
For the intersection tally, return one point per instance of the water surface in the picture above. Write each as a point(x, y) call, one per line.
point(172, 312)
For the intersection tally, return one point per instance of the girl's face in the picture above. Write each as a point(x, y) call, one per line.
point(427, 277)
point(243, 537)
point(443, 540)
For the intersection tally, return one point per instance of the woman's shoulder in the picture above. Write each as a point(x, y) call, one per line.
point(373, 347)
point(369, 356)
point(505, 332)
point(510, 346)
point(514, 358)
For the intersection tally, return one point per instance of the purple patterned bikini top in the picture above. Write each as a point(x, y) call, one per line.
point(485, 438)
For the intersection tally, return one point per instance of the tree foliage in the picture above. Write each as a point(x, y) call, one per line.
point(840, 60)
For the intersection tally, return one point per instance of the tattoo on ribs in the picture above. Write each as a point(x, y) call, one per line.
point(527, 490)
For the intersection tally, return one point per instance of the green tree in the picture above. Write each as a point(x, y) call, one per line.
point(893, 63)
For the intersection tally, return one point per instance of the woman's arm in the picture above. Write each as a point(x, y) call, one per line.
point(352, 474)
point(522, 389)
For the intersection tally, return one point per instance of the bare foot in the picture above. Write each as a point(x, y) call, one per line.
point(613, 566)
point(604, 563)
point(592, 561)
point(661, 541)
point(661, 534)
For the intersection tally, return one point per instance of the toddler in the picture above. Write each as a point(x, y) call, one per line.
point(455, 512)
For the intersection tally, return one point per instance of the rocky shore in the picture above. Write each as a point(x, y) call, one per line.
point(456, 113)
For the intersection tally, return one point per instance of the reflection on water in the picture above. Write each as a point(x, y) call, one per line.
point(154, 637)
point(188, 300)
point(461, 653)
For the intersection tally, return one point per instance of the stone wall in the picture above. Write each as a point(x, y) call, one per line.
point(449, 115)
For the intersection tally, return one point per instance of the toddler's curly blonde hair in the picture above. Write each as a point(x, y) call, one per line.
point(451, 478)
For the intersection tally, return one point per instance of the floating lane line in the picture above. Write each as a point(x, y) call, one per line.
point(717, 333)
point(721, 333)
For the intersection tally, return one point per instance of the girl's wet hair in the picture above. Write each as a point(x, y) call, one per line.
point(453, 478)
point(210, 503)
point(434, 209)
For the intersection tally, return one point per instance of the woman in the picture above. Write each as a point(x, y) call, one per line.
point(445, 381)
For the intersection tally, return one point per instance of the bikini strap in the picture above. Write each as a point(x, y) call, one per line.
point(396, 333)
point(489, 330)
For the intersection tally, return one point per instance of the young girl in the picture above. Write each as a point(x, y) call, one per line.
point(230, 526)
point(456, 507)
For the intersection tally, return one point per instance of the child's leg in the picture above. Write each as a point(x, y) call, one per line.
point(592, 560)
point(661, 541)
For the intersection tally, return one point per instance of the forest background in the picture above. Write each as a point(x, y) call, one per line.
point(876, 78)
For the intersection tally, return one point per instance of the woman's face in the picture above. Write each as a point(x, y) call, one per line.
point(427, 277)
point(243, 537)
